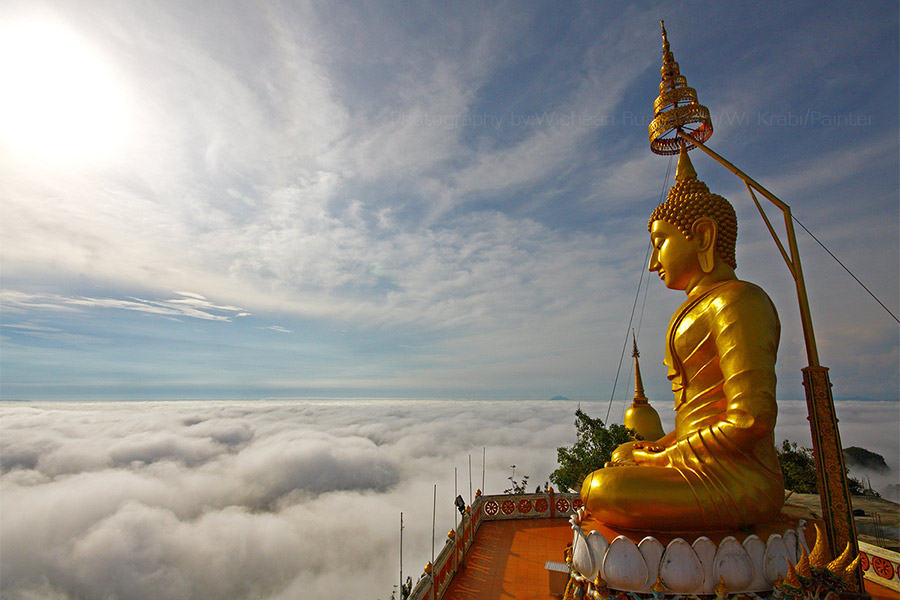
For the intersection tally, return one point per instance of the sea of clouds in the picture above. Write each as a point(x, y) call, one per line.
point(275, 499)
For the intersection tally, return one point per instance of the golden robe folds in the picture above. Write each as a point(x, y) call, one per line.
point(718, 469)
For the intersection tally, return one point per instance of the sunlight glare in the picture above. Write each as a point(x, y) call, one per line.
point(60, 103)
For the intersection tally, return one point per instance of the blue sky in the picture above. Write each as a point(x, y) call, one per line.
point(259, 199)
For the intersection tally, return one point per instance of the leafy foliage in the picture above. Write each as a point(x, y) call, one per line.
point(596, 441)
point(405, 590)
point(517, 487)
point(593, 448)
point(799, 469)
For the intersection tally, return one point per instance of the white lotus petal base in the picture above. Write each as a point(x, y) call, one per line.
point(746, 562)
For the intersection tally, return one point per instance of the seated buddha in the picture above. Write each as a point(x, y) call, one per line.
point(718, 469)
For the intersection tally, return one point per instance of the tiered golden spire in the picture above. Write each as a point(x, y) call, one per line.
point(676, 109)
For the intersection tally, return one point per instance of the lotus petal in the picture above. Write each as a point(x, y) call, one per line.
point(680, 569)
point(775, 562)
point(790, 542)
point(756, 551)
point(598, 546)
point(705, 550)
point(652, 551)
point(733, 565)
point(582, 559)
point(624, 567)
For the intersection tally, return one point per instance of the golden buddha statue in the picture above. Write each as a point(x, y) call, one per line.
point(718, 469)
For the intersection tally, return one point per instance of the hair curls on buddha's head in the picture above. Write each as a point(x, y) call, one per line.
point(689, 200)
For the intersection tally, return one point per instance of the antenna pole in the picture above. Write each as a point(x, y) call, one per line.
point(455, 494)
point(433, 510)
point(470, 479)
point(401, 556)
point(483, 454)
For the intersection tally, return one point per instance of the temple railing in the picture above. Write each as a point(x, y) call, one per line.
point(880, 565)
point(434, 583)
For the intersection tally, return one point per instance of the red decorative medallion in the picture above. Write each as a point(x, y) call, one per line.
point(864, 561)
point(562, 505)
point(882, 567)
point(524, 506)
point(508, 507)
point(540, 505)
point(577, 503)
point(491, 507)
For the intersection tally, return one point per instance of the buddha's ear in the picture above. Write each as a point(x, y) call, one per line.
point(704, 230)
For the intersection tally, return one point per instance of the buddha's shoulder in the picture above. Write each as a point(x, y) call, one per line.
point(739, 296)
point(739, 289)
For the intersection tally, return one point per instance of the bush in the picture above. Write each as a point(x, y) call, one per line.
point(593, 447)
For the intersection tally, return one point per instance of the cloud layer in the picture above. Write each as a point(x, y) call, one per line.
point(270, 499)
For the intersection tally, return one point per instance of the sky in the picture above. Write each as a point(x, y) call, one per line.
point(279, 499)
point(239, 200)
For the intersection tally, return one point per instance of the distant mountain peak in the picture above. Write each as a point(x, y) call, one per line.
point(865, 459)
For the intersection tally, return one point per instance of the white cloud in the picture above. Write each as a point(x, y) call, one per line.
point(263, 499)
point(192, 305)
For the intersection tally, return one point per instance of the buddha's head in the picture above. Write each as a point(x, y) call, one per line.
point(692, 230)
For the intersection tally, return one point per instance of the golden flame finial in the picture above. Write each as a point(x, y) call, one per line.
point(803, 563)
point(676, 109)
point(839, 564)
point(818, 558)
point(792, 580)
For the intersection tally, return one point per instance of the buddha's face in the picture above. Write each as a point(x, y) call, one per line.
point(674, 256)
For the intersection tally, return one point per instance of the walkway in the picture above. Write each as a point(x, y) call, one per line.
point(507, 561)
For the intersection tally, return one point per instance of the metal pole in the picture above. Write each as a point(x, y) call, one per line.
point(470, 480)
point(401, 556)
point(433, 510)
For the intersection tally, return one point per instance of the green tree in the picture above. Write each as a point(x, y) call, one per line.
point(799, 469)
point(593, 448)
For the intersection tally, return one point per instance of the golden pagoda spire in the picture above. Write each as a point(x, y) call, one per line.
point(639, 397)
point(677, 109)
point(640, 416)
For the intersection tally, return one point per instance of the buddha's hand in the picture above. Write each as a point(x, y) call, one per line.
point(649, 446)
point(651, 455)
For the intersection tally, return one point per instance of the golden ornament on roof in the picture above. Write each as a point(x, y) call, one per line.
point(676, 109)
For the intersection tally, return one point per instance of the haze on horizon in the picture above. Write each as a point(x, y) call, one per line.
point(272, 199)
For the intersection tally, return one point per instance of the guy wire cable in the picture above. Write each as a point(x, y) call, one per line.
point(636, 296)
point(845, 268)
